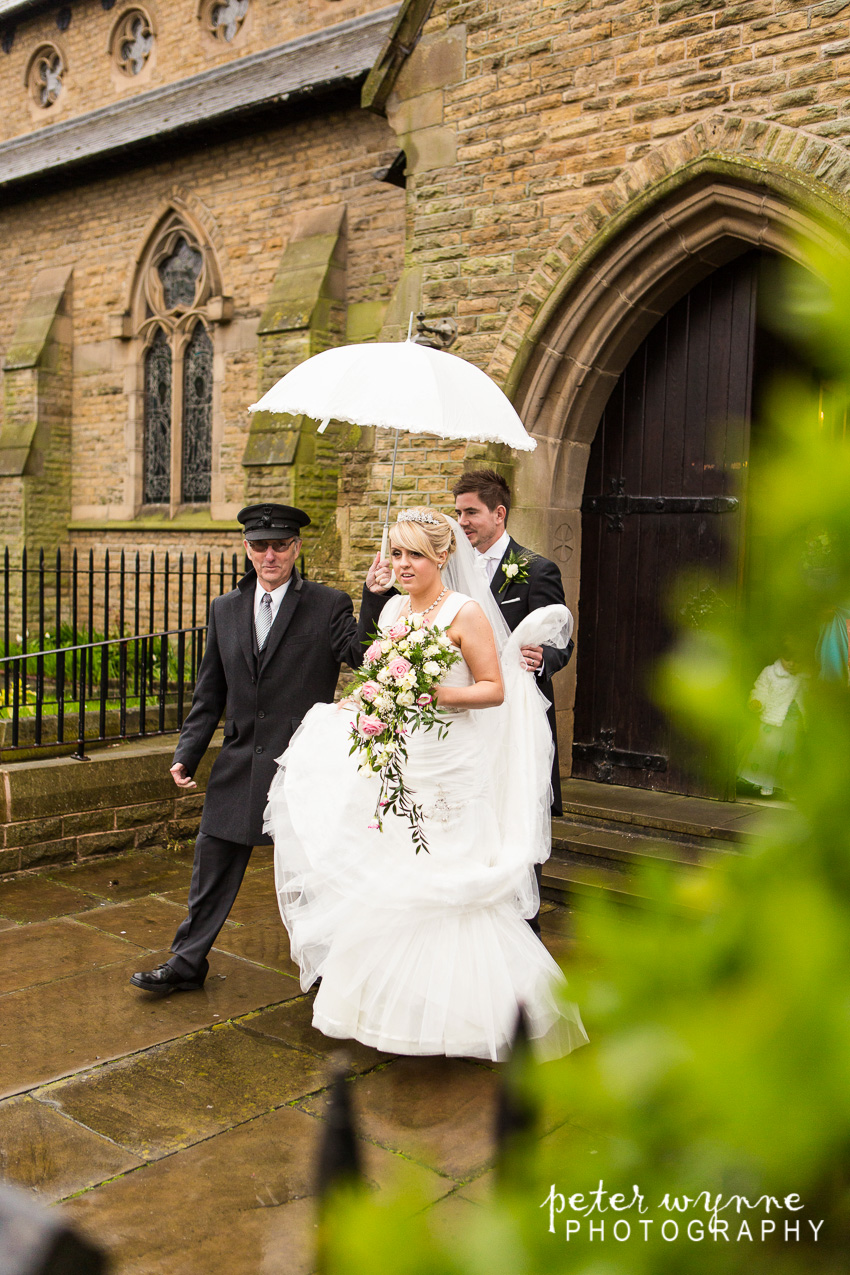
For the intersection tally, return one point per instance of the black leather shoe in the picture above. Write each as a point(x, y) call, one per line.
point(165, 980)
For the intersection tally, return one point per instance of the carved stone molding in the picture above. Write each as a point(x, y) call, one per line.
point(634, 280)
point(45, 76)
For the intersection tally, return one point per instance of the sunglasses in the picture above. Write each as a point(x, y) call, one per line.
point(278, 546)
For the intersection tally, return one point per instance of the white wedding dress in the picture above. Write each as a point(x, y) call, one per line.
point(427, 953)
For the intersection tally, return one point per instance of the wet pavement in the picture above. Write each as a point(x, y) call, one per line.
point(181, 1133)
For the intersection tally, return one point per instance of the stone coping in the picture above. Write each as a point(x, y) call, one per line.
point(128, 774)
point(158, 523)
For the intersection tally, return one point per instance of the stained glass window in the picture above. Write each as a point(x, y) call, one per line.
point(157, 446)
point(197, 416)
point(179, 275)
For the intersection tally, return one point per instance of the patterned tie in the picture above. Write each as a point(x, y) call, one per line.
point(263, 622)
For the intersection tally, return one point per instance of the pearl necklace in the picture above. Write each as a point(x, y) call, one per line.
point(438, 598)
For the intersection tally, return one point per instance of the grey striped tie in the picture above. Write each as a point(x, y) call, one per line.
point(263, 622)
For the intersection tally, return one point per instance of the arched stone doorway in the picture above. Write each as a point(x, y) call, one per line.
point(581, 354)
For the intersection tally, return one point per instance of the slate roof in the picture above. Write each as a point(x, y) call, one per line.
point(313, 64)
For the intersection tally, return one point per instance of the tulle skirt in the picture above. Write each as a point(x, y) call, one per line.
point(417, 954)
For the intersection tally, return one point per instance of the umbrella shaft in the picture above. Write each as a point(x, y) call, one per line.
point(392, 480)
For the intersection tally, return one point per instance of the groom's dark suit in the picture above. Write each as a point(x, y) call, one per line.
point(542, 588)
point(262, 696)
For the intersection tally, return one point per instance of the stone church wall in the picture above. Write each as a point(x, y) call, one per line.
point(183, 46)
point(536, 135)
point(247, 193)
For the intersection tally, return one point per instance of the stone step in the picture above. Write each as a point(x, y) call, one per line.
point(575, 883)
point(664, 815)
point(624, 851)
point(609, 833)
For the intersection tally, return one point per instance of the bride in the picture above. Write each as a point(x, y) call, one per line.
point(430, 953)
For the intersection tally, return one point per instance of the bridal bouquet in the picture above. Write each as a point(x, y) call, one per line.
point(394, 693)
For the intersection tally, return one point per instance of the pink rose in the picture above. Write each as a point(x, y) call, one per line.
point(369, 726)
point(369, 690)
point(424, 699)
point(398, 668)
point(398, 630)
point(373, 653)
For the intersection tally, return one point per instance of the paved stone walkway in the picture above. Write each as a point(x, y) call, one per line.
point(181, 1133)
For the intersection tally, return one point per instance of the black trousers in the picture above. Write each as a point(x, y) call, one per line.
point(216, 877)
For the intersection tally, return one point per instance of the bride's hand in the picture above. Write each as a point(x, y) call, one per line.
point(380, 574)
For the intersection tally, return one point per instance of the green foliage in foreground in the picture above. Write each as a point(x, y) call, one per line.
point(719, 1017)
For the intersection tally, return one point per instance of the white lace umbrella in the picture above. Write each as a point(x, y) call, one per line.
point(399, 385)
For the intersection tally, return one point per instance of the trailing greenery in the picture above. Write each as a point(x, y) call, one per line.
point(719, 1016)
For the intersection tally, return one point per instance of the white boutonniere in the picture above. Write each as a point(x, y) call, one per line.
point(514, 569)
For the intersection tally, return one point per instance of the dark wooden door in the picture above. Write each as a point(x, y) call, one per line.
point(661, 500)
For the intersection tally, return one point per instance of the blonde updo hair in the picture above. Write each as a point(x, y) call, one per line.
point(429, 538)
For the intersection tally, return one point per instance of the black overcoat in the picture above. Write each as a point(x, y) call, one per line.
point(263, 698)
point(542, 588)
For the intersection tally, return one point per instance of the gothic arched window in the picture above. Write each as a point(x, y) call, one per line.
point(177, 348)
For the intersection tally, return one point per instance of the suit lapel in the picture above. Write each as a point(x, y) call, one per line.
point(244, 607)
point(498, 579)
point(282, 620)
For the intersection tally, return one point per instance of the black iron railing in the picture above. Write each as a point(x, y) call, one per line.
point(67, 600)
point(102, 648)
point(123, 688)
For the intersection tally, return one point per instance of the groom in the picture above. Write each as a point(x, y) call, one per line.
point(274, 649)
point(520, 580)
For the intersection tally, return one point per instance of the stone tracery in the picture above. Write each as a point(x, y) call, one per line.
point(132, 42)
point(224, 18)
point(46, 75)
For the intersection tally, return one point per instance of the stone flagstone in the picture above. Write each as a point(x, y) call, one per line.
point(174, 1095)
point(52, 1155)
point(64, 1026)
point(40, 952)
point(239, 1203)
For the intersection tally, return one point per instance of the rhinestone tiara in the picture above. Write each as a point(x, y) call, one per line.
point(417, 515)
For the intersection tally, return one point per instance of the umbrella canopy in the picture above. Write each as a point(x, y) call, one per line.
point(399, 385)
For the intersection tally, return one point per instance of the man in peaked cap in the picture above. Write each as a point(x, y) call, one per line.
point(274, 649)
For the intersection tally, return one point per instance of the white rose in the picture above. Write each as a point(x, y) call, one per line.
point(415, 621)
point(407, 698)
point(416, 638)
point(404, 646)
point(511, 569)
point(432, 668)
point(445, 641)
point(383, 675)
point(386, 646)
point(432, 649)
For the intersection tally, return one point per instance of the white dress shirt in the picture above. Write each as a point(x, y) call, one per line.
point(494, 555)
point(277, 596)
point(489, 561)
